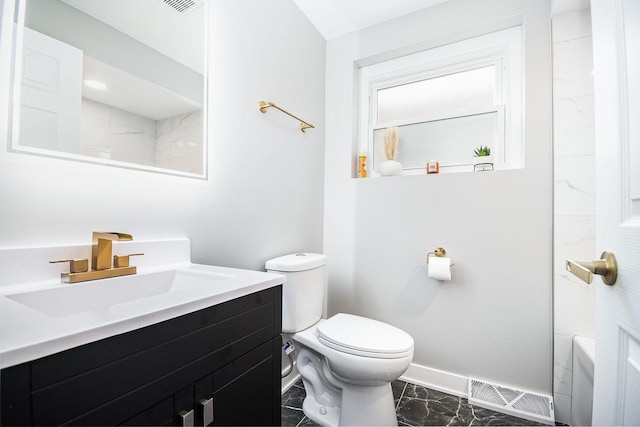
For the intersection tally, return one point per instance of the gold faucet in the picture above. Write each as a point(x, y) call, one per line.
point(101, 260)
point(101, 250)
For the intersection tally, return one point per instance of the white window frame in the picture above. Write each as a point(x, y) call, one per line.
point(502, 49)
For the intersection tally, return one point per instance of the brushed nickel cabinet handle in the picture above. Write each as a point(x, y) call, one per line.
point(207, 411)
point(187, 418)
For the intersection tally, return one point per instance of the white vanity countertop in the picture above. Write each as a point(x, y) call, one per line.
point(30, 333)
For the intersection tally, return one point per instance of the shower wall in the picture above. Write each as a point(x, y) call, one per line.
point(574, 192)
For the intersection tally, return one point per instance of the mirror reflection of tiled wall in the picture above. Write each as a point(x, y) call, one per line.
point(111, 133)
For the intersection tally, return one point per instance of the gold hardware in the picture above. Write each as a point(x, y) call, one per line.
point(102, 248)
point(75, 265)
point(101, 267)
point(122, 260)
point(97, 274)
point(606, 266)
point(439, 252)
point(262, 105)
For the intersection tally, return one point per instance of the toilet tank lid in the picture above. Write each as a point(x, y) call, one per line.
point(296, 262)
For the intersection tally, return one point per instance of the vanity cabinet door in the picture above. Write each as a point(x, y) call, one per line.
point(242, 393)
point(166, 412)
point(247, 391)
point(161, 414)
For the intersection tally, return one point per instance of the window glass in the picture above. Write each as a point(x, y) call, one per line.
point(438, 95)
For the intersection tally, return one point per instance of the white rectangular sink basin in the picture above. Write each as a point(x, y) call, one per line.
point(68, 299)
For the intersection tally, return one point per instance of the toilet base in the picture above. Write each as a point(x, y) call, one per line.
point(323, 415)
point(360, 406)
point(331, 401)
point(368, 406)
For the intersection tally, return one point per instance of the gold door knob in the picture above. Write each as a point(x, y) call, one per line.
point(606, 266)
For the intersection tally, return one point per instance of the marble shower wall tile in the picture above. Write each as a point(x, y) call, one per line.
point(572, 25)
point(132, 120)
point(574, 186)
point(574, 239)
point(574, 306)
point(132, 144)
point(574, 142)
point(562, 360)
point(94, 129)
point(574, 193)
point(179, 143)
point(573, 112)
point(172, 143)
point(111, 133)
point(573, 68)
point(562, 405)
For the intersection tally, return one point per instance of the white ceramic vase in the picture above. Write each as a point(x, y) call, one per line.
point(390, 168)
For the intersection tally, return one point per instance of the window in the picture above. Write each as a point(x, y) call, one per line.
point(445, 102)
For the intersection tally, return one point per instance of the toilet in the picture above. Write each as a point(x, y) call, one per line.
point(347, 362)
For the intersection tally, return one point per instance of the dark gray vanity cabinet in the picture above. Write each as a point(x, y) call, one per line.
point(221, 362)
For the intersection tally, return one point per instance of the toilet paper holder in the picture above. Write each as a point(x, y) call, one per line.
point(439, 252)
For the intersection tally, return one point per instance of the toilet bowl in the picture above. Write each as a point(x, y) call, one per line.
point(347, 362)
point(356, 375)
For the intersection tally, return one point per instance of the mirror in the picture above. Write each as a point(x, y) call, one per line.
point(116, 82)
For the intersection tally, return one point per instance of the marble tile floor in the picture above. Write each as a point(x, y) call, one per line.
point(415, 406)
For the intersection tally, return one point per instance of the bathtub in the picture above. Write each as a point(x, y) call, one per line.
point(584, 350)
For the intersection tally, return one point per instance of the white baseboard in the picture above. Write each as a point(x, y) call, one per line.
point(436, 379)
point(289, 381)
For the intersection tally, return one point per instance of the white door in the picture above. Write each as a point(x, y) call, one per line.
point(50, 94)
point(616, 44)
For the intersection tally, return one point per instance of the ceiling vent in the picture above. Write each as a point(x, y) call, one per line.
point(183, 7)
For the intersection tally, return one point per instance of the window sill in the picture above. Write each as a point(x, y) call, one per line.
point(444, 170)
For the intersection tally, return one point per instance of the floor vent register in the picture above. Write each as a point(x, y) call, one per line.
point(531, 406)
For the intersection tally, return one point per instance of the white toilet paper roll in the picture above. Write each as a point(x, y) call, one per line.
point(440, 268)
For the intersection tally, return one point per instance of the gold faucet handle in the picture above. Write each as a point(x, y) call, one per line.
point(76, 265)
point(123, 260)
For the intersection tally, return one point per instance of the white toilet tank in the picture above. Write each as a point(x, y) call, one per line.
point(303, 292)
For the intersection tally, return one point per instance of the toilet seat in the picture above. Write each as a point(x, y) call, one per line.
point(364, 337)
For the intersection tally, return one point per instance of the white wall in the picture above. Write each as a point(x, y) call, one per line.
point(264, 196)
point(494, 319)
point(574, 192)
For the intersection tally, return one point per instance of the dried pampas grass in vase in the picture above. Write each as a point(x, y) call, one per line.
point(391, 167)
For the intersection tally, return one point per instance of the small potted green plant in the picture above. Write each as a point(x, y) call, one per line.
point(482, 158)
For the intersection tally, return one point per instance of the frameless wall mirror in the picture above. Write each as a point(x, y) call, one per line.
point(116, 82)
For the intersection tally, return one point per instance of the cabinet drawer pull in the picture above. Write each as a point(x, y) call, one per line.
point(207, 411)
point(187, 418)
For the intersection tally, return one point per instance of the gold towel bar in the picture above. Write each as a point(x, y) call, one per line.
point(303, 125)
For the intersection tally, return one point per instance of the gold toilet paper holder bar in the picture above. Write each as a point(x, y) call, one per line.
point(439, 252)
